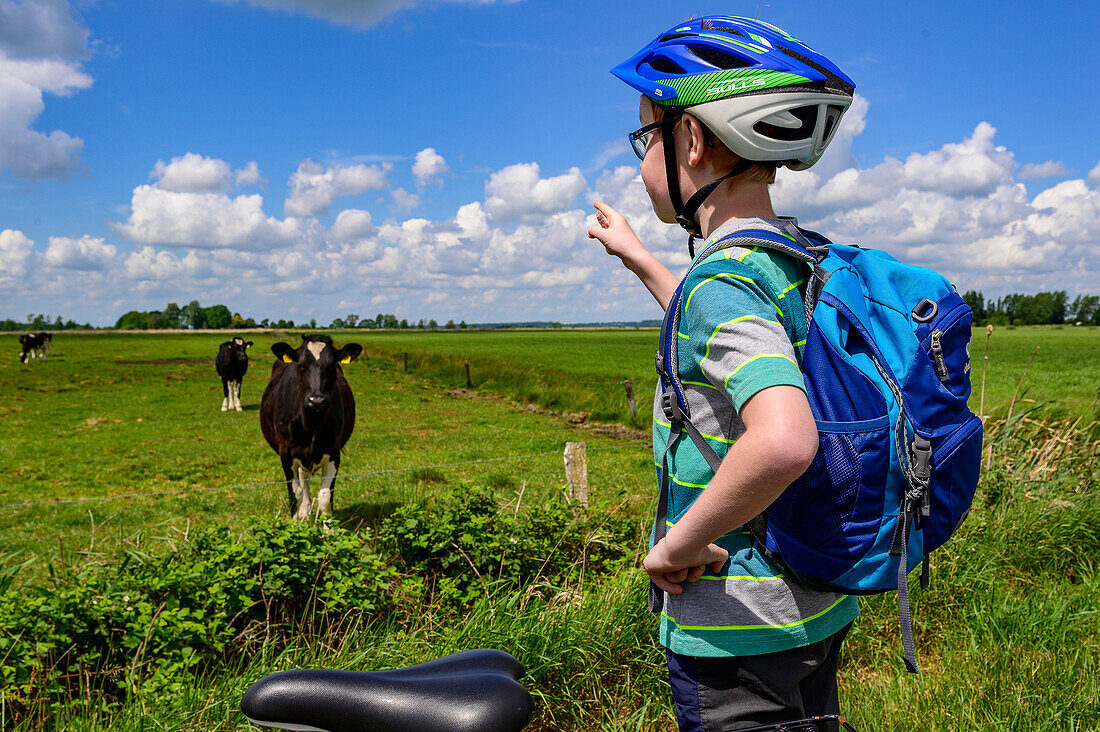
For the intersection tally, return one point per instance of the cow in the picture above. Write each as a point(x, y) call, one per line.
point(34, 345)
point(307, 414)
point(231, 364)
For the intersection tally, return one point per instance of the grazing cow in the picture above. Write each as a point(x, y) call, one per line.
point(232, 363)
point(34, 345)
point(307, 414)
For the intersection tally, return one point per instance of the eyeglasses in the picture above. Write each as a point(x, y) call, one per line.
point(639, 139)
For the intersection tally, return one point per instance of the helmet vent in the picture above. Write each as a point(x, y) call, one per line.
point(719, 59)
point(833, 114)
point(807, 116)
point(723, 29)
point(666, 66)
point(832, 81)
point(673, 37)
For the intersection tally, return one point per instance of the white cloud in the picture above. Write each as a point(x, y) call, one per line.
point(41, 45)
point(427, 165)
point(83, 254)
point(192, 174)
point(208, 221)
point(249, 175)
point(1094, 175)
point(313, 187)
point(1049, 169)
point(403, 200)
point(352, 224)
point(517, 192)
point(15, 250)
point(354, 13)
point(41, 29)
point(30, 154)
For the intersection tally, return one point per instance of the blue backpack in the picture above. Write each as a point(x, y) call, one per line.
point(887, 373)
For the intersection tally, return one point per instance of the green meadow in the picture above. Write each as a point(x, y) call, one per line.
point(129, 494)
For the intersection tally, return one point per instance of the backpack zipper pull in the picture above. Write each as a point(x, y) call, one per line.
point(937, 356)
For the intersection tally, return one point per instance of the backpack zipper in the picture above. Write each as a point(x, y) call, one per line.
point(937, 356)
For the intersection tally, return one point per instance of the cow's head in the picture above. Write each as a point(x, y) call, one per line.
point(26, 345)
point(318, 363)
point(238, 346)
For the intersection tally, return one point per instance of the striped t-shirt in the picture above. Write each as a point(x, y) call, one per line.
point(742, 329)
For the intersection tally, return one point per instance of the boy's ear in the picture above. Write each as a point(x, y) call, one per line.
point(697, 138)
point(284, 352)
point(349, 353)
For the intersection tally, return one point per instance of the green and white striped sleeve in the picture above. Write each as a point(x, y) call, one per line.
point(734, 330)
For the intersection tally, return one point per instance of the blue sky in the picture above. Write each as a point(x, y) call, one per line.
point(313, 158)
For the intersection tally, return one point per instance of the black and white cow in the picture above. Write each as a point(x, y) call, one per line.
point(34, 345)
point(307, 414)
point(232, 363)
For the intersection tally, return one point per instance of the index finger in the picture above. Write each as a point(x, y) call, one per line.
point(603, 208)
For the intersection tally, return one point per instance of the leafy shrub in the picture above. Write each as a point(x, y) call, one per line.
point(144, 621)
point(464, 544)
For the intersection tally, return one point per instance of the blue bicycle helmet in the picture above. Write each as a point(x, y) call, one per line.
point(764, 93)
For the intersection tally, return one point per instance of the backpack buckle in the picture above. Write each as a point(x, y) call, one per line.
point(671, 407)
point(922, 458)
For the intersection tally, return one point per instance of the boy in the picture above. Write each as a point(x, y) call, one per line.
point(726, 100)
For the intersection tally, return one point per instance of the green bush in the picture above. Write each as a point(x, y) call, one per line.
point(144, 621)
point(464, 544)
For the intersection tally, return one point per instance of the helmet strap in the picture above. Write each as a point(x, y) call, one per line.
point(686, 212)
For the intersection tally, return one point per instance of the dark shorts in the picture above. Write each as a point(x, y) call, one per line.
point(718, 694)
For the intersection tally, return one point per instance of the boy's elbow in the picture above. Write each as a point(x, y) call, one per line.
point(796, 451)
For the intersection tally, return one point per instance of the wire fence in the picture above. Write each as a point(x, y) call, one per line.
point(342, 476)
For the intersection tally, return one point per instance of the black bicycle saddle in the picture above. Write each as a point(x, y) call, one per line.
point(463, 692)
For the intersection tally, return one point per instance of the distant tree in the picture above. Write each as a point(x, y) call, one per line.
point(193, 316)
point(351, 320)
point(556, 325)
point(432, 325)
point(378, 319)
point(265, 323)
point(172, 314)
point(132, 320)
point(462, 325)
point(337, 323)
point(976, 301)
point(420, 324)
point(217, 317)
point(404, 324)
point(450, 325)
point(1085, 309)
point(313, 322)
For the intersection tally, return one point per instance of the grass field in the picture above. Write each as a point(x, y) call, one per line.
point(116, 445)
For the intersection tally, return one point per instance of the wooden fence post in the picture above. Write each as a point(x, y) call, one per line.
point(630, 398)
point(469, 383)
point(576, 472)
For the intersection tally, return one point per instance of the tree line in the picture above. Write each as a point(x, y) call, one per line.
point(216, 317)
point(1042, 308)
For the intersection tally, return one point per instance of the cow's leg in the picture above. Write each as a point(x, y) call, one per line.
point(225, 395)
point(328, 483)
point(304, 502)
point(289, 470)
point(237, 395)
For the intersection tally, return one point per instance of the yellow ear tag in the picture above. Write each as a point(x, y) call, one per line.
point(345, 359)
point(288, 359)
point(247, 346)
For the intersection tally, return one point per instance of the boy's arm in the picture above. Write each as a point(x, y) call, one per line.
point(613, 231)
point(779, 443)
